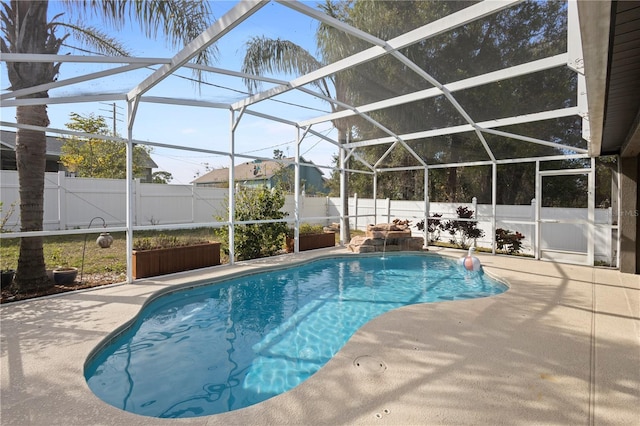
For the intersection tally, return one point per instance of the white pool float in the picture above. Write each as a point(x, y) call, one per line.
point(470, 262)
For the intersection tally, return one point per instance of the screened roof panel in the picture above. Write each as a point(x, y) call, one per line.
point(574, 163)
point(434, 75)
point(292, 106)
point(562, 130)
point(525, 32)
point(547, 90)
point(399, 156)
point(424, 115)
point(212, 88)
point(510, 148)
point(387, 20)
point(115, 79)
point(457, 148)
point(379, 79)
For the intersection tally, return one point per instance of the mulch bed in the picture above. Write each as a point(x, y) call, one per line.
point(89, 281)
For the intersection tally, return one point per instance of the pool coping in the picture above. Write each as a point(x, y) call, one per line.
point(561, 346)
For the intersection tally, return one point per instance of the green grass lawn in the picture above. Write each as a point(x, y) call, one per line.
point(66, 250)
point(101, 266)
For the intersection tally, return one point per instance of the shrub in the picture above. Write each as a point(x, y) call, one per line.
point(5, 216)
point(165, 241)
point(260, 239)
point(434, 226)
point(463, 231)
point(505, 240)
point(306, 229)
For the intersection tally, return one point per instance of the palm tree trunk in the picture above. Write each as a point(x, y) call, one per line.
point(30, 33)
point(31, 159)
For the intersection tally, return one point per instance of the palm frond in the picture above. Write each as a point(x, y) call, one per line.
point(95, 38)
point(179, 20)
point(333, 43)
point(267, 56)
point(8, 26)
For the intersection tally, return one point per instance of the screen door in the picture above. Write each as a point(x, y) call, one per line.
point(565, 215)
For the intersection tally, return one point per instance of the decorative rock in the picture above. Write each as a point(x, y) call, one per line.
point(386, 237)
point(362, 249)
point(334, 227)
point(389, 234)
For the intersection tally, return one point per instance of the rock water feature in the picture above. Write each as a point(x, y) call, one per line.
point(386, 237)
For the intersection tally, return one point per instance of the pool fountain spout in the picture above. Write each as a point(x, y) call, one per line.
point(384, 245)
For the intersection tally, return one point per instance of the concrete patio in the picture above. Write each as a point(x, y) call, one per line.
point(562, 346)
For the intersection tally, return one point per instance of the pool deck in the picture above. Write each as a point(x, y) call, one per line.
point(562, 346)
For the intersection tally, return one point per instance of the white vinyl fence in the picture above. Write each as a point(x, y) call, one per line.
point(71, 203)
point(516, 218)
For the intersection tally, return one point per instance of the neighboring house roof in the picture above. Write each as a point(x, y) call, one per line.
point(253, 170)
point(54, 146)
point(8, 141)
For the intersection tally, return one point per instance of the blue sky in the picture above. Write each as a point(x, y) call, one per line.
point(199, 127)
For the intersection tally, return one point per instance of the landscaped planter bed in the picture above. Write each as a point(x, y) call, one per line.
point(161, 261)
point(313, 241)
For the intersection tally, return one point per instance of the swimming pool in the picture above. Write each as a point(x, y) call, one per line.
point(217, 348)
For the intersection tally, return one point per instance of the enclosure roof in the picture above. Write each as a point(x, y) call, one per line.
point(613, 74)
point(445, 100)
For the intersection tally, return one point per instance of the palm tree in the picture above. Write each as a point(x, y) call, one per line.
point(26, 28)
point(267, 55)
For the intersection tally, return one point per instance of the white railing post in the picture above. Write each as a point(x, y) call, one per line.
point(426, 209)
point(534, 218)
point(355, 209)
point(62, 201)
point(233, 186)
point(474, 206)
point(297, 196)
point(327, 209)
point(131, 207)
point(591, 218)
point(388, 210)
point(537, 210)
point(343, 198)
point(375, 198)
point(193, 203)
point(137, 190)
point(494, 207)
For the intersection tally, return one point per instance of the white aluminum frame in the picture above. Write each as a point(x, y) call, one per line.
point(242, 11)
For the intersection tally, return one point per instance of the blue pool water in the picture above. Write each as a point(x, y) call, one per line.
point(217, 348)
